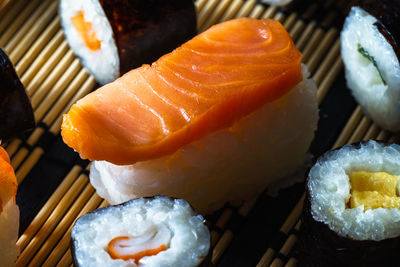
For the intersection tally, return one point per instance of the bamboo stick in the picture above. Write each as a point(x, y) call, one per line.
point(360, 130)
point(224, 218)
point(327, 63)
point(61, 54)
point(291, 20)
point(222, 244)
point(66, 260)
point(199, 4)
point(217, 14)
point(67, 95)
point(64, 243)
point(293, 216)
point(58, 88)
point(348, 129)
point(246, 9)
point(36, 48)
point(279, 16)
point(34, 28)
point(45, 211)
point(9, 13)
point(312, 44)
point(34, 137)
point(85, 89)
point(297, 30)
point(329, 79)
point(266, 258)
point(13, 146)
point(247, 206)
point(205, 13)
point(62, 226)
point(29, 163)
point(232, 10)
point(270, 12)
point(292, 262)
point(17, 21)
point(257, 11)
point(51, 222)
point(53, 51)
point(27, 25)
point(320, 51)
point(305, 36)
point(60, 70)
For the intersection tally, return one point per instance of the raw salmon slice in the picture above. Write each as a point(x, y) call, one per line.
point(8, 181)
point(207, 84)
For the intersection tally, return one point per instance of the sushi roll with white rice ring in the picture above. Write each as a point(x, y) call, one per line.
point(158, 231)
point(370, 55)
point(113, 37)
point(352, 209)
point(99, 53)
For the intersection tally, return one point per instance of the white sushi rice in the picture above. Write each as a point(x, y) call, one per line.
point(230, 165)
point(103, 64)
point(381, 102)
point(329, 188)
point(188, 246)
point(9, 222)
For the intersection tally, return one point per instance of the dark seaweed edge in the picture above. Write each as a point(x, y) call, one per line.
point(387, 13)
point(25, 119)
point(321, 246)
point(204, 263)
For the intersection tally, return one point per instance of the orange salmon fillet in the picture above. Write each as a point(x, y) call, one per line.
point(8, 181)
point(208, 83)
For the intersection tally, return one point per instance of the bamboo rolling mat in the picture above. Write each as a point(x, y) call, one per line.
point(31, 35)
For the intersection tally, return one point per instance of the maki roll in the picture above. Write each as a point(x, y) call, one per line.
point(351, 213)
point(212, 122)
point(157, 231)
point(112, 37)
point(370, 50)
point(16, 114)
point(9, 212)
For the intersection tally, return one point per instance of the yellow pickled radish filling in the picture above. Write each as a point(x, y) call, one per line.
point(86, 31)
point(373, 190)
point(150, 243)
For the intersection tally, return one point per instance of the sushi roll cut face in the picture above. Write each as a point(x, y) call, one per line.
point(355, 191)
point(372, 68)
point(158, 231)
point(90, 35)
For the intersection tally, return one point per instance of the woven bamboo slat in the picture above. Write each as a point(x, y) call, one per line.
point(31, 34)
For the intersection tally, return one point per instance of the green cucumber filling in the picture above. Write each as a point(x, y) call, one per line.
point(365, 54)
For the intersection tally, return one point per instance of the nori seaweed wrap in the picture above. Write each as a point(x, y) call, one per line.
point(16, 114)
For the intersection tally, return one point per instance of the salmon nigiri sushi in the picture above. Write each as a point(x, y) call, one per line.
point(214, 121)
